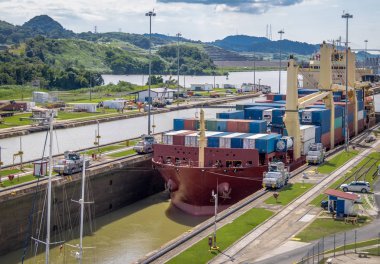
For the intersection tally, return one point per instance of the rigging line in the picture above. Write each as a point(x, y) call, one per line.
point(41, 223)
point(30, 218)
point(56, 140)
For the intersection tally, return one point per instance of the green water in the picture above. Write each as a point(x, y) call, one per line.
point(123, 236)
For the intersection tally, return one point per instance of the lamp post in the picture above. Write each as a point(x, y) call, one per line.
point(215, 196)
point(365, 59)
point(259, 85)
point(178, 36)
point(254, 71)
point(150, 14)
point(346, 16)
point(279, 67)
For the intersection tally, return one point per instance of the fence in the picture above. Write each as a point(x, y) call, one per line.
point(339, 244)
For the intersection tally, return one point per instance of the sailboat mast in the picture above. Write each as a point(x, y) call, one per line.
point(49, 188)
point(81, 201)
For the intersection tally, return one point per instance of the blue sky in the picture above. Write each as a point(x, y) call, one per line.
point(303, 20)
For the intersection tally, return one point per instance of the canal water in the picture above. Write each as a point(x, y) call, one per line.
point(123, 236)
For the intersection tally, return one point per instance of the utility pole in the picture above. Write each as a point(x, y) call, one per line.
point(279, 67)
point(365, 59)
point(150, 14)
point(178, 36)
point(346, 16)
point(215, 196)
point(254, 71)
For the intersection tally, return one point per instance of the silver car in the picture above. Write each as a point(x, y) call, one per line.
point(356, 186)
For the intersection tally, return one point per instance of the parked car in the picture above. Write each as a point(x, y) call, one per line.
point(356, 186)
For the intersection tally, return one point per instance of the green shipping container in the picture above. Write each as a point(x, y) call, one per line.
point(211, 125)
point(338, 122)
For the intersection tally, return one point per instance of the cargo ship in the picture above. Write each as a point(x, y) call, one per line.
point(229, 154)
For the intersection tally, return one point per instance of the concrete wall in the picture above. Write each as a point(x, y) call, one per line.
point(112, 187)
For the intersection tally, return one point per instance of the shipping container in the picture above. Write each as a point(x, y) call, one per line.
point(279, 97)
point(305, 145)
point(338, 136)
point(267, 144)
point(249, 105)
point(213, 141)
point(225, 141)
point(249, 142)
point(360, 105)
point(361, 115)
point(232, 125)
point(359, 95)
point(281, 102)
point(255, 113)
point(238, 114)
point(211, 124)
point(167, 138)
point(257, 126)
point(307, 132)
point(318, 134)
point(221, 125)
point(325, 140)
point(191, 124)
point(178, 123)
point(305, 91)
point(338, 122)
point(267, 115)
point(237, 142)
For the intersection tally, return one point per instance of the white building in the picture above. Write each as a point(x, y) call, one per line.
point(201, 87)
point(155, 94)
point(248, 87)
point(41, 97)
point(115, 104)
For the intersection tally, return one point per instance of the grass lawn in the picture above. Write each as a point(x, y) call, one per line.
point(358, 245)
point(289, 193)
point(16, 180)
point(325, 227)
point(122, 153)
point(7, 172)
point(372, 158)
point(337, 161)
point(226, 236)
point(14, 120)
point(373, 251)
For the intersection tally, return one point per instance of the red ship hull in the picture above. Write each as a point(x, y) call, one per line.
point(191, 186)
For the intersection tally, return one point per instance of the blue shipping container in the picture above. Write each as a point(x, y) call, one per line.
point(278, 120)
point(258, 126)
point(306, 91)
point(360, 105)
point(221, 125)
point(267, 144)
point(213, 142)
point(359, 95)
point(178, 124)
point(318, 134)
point(278, 112)
point(237, 142)
point(239, 114)
point(255, 113)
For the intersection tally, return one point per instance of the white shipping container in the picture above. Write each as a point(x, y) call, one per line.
point(305, 146)
point(307, 132)
point(306, 115)
point(360, 115)
point(191, 140)
point(225, 141)
point(167, 138)
point(90, 108)
point(114, 104)
point(267, 115)
point(249, 142)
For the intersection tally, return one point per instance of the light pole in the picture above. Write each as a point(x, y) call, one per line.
point(150, 14)
point(215, 196)
point(365, 59)
point(259, 85)
point(279, 67)
point(254, 71)
point(346, 16)
point(178, 36)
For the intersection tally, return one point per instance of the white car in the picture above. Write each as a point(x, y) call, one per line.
point(356, 186)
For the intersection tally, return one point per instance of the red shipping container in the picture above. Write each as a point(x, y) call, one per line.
point(243, 126)
point(325, 140)
point(270, 97)
point(190, 124)
point(351, 129)
point(232, 126)
point(179, 139)
point(338, 136)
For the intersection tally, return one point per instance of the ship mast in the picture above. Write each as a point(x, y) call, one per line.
point(202, 139)
point(49, 189)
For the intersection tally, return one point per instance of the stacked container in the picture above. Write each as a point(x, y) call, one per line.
point(249, 142)
point(267, 144)
point(255, 113)
point(225, 141)
point(238, 114)
point(307, 137)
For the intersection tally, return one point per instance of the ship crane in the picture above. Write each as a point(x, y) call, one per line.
point(293, 104)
